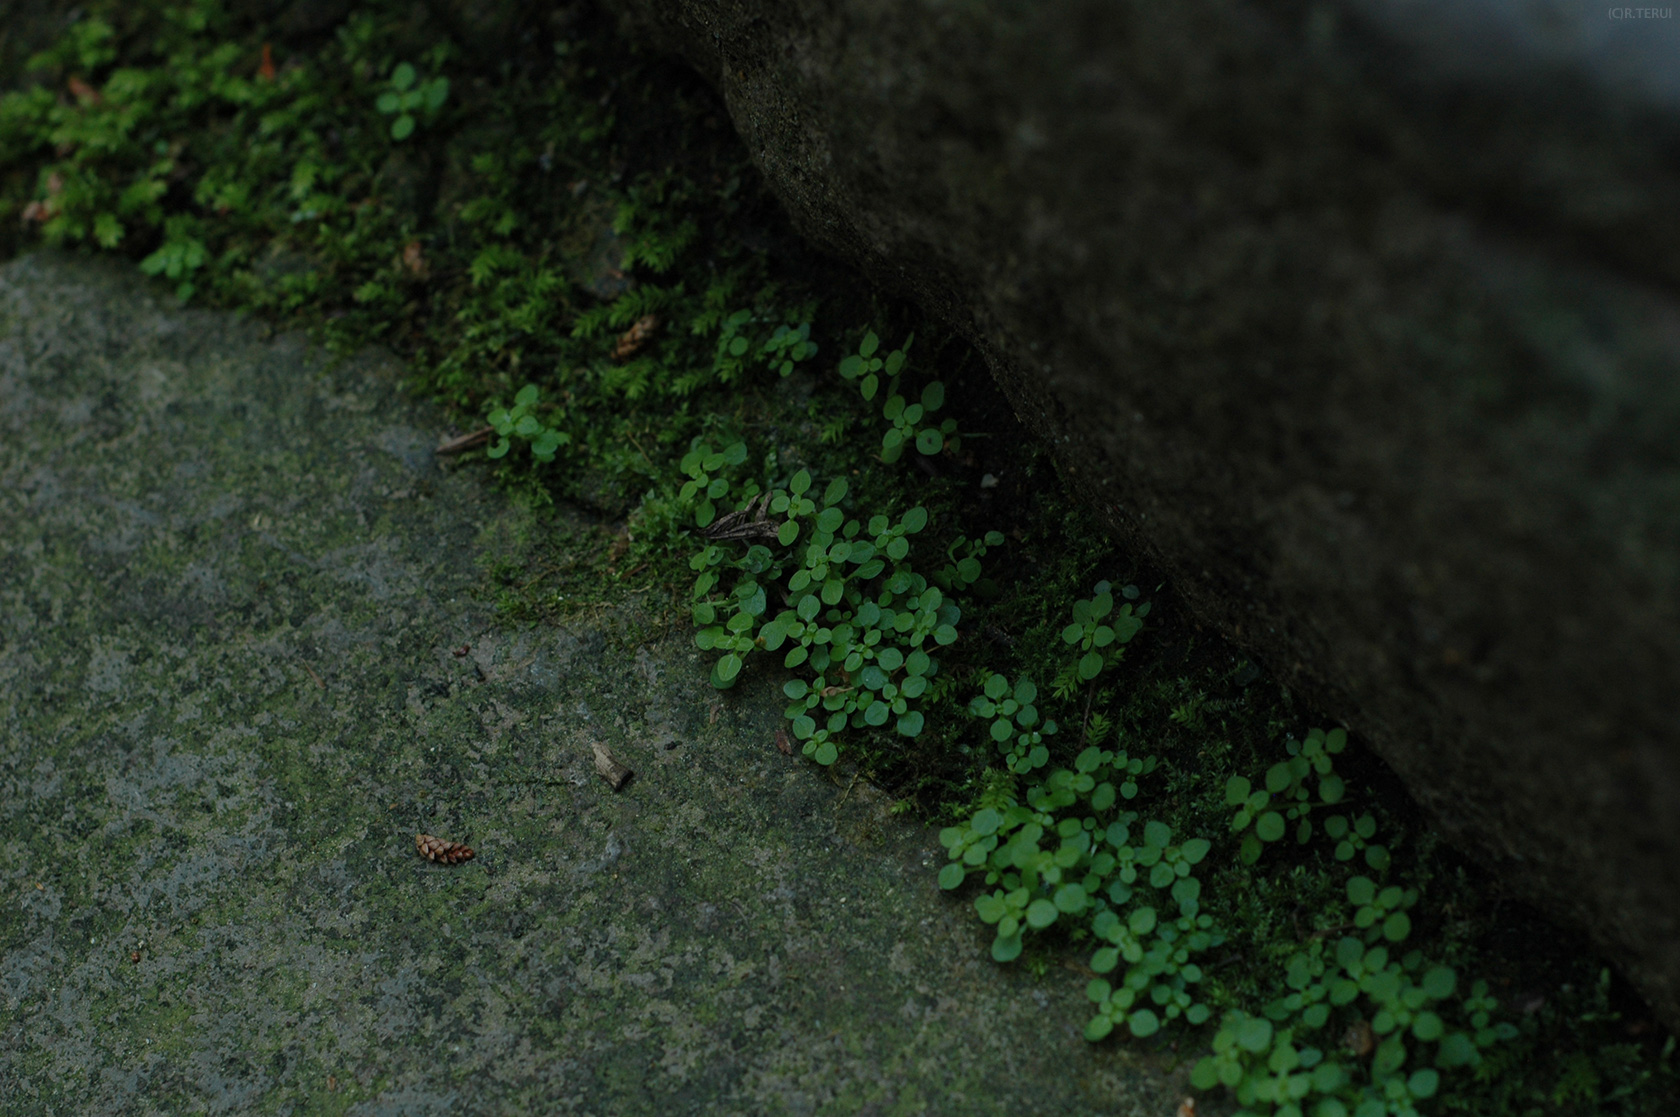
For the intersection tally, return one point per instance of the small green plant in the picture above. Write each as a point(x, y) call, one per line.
point(782, 351)
point(905, 420)
point(1073, 855)
point(181, 254)
point(519, 422)
point(1288, 798)
point(1094, 638)
point(1016, 726)
point(408, 99)
point(1360, 999)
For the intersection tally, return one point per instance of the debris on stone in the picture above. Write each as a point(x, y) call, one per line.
point(610, 767)
point(414, 260)
point(749, 525)
point(440, 851)
point(635, 337)
point(465, 442)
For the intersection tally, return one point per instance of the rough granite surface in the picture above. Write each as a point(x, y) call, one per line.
point(233, 580)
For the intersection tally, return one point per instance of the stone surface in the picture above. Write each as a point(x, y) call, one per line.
point(1358, 316)
point(233, 585)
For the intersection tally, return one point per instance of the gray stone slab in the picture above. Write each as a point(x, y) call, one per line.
point(232, 584)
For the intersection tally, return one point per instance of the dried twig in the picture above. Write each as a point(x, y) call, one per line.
point(466, 442)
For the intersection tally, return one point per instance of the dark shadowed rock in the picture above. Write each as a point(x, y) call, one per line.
point(1358, 315)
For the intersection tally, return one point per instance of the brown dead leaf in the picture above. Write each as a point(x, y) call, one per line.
point(265, 69)
point(414, 261)
point(1186, 1108)
point(635, 337)
point(783, 746)
point(84, 92)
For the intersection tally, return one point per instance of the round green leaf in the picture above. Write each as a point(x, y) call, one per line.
point(1439, 982)
point(910, 724)
point(1327, 1078)
point(952, 875)
point(1270, 827)
point(1390, 1057)
point(1006, 949)
point(1254, 1034)
point(929, 441)
point(1423, 1083)
point(1143, 1023)
point(1397, 926)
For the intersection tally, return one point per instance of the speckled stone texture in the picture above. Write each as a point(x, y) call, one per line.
point(1357, 316)
point(232, 584)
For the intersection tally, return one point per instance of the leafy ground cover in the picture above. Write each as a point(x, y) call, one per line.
point(561, 238)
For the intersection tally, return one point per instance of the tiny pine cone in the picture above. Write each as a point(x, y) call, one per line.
point(444, 853)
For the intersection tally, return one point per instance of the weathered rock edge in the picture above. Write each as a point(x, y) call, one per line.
point(1359, 317)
